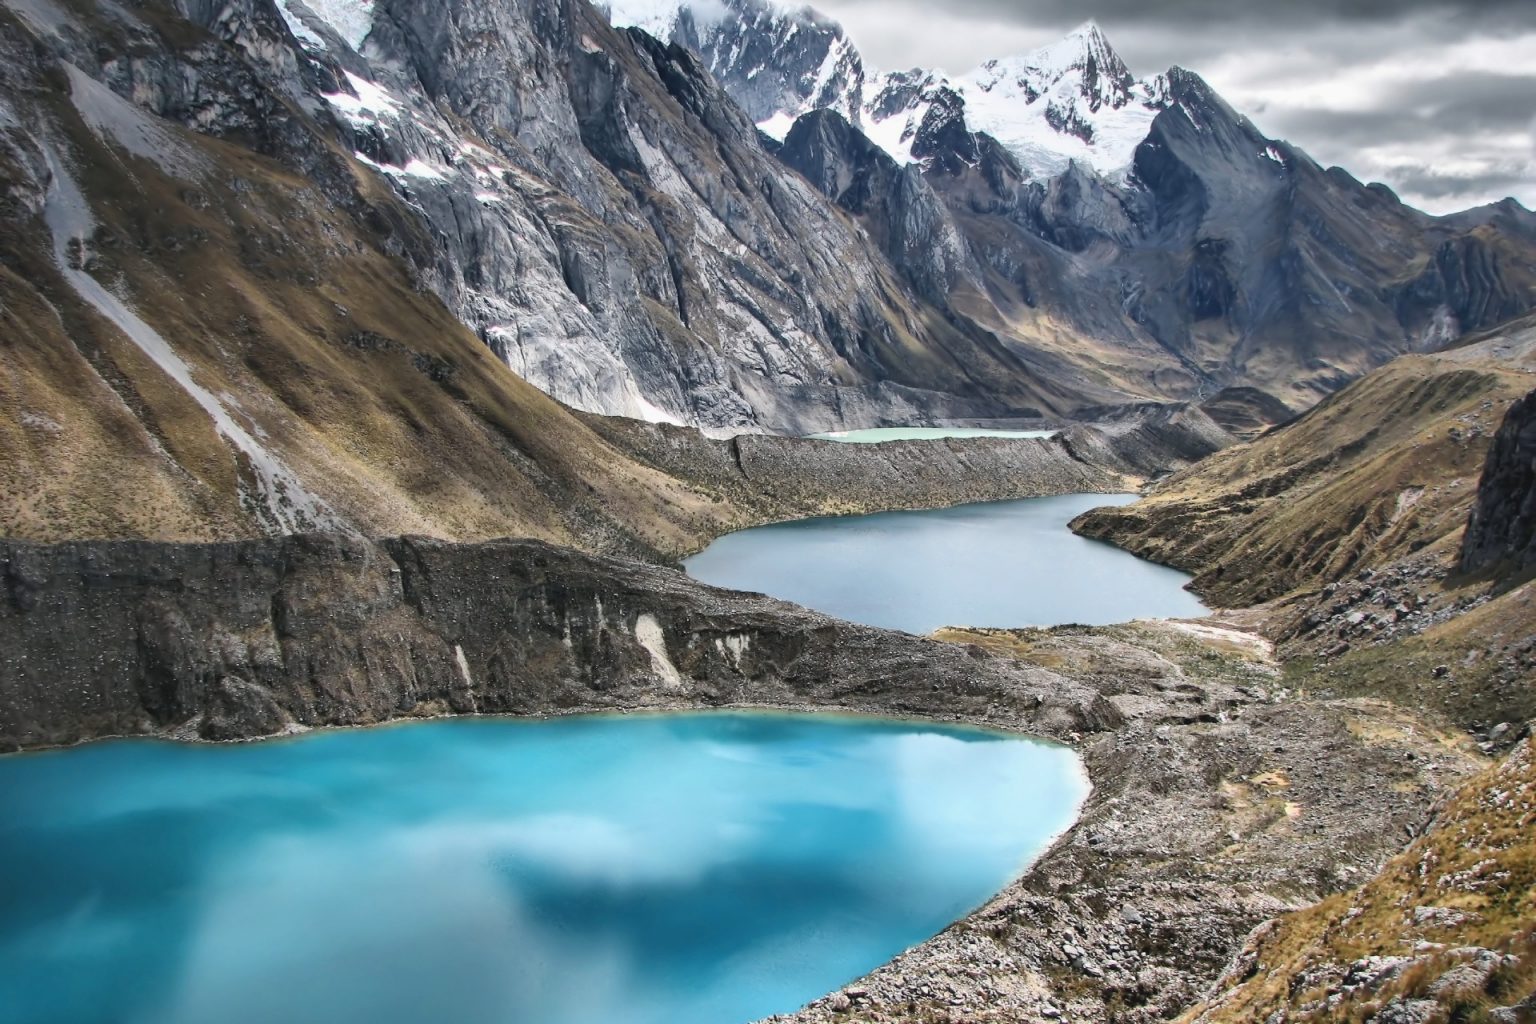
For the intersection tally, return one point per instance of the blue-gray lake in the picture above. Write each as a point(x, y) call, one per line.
point(879, 435)
point(686, 869)
point(1004, 563)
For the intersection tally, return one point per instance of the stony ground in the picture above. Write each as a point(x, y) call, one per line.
point(1446, 932)
point(1223, 801)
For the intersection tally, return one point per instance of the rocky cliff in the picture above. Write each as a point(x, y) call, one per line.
point(1502, 527)
point(249, 639)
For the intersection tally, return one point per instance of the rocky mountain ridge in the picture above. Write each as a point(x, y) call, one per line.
point(1141, 232)
point(587, 201)
point(605, 218)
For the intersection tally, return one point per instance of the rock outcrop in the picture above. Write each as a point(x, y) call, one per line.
point(1502, 527)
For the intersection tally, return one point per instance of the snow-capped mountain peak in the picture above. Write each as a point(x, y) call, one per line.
point(1074, 100)
point(1104, 79)
point(777, 62)
point(654, 16)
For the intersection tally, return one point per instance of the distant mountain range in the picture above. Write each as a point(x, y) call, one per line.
point(1138, 229)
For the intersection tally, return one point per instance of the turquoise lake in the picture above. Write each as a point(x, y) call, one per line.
point(687, 869)
point(877, 435)
point(1005, 563)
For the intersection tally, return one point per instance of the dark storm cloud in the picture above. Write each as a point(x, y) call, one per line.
point(1153, 35)
point(1202, 13)
point(1458, 104)
point(1436, 184)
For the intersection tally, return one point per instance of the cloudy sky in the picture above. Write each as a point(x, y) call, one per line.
point(1437, 99)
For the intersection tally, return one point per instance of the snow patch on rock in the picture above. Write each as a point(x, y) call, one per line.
point(351, 19)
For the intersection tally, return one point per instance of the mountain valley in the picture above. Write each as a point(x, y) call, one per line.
point(367, 361)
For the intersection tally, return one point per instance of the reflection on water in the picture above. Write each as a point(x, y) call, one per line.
point(686, 868)
point(1005, 563)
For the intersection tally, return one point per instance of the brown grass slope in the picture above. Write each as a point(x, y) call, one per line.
point(1446, 932)
point(292, 307)
point(1345, 528)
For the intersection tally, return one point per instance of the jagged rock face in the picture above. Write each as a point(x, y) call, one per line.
point(212, 325)
point(1288, 264)
point(588, 201)
point(684, 274)
point(777, 62)
point(895, 204)
point(1502, 528)
point(773, 60)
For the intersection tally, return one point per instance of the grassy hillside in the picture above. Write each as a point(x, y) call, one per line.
point(290, 308)
point(1383, 469)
